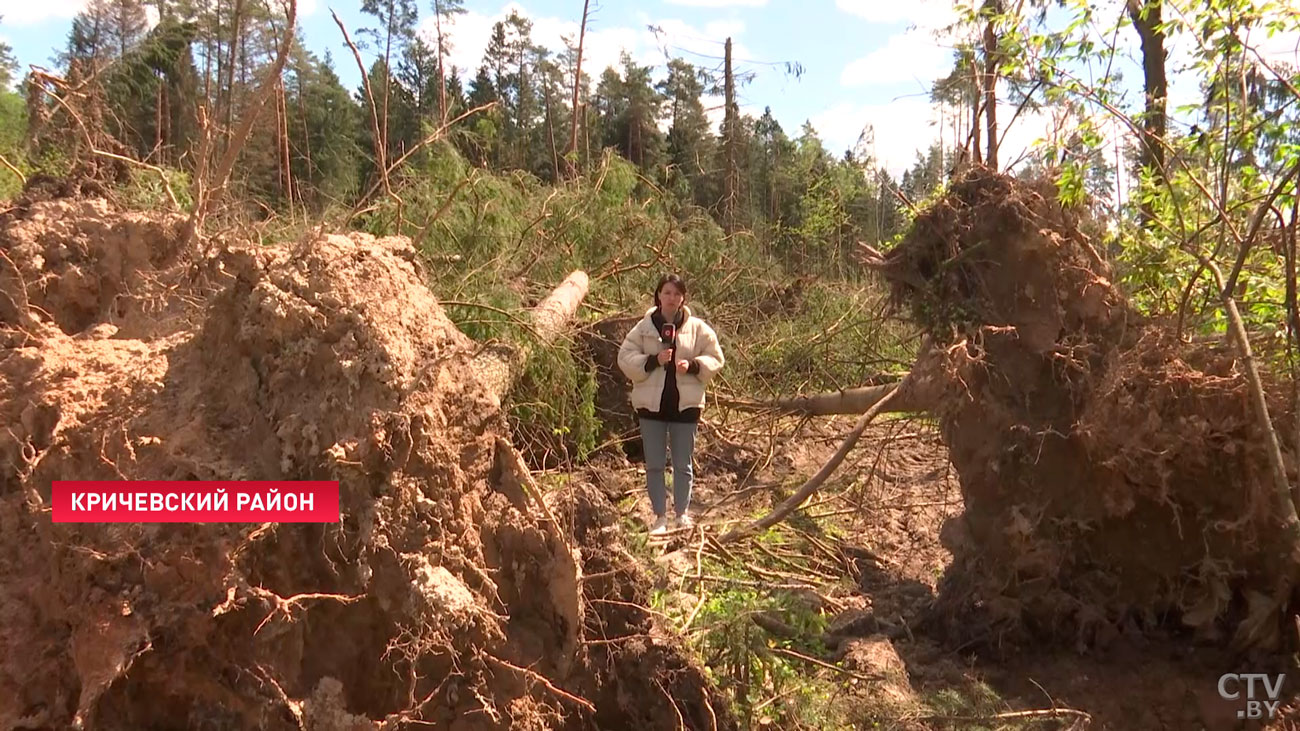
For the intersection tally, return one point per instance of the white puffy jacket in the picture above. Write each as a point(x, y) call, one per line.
point(695, 341)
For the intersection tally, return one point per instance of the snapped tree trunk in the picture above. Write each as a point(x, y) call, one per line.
point(729, 122)
point(571, 165)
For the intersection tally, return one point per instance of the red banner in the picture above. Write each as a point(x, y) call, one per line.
point(195, 502)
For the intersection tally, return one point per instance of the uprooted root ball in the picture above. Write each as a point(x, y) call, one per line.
point(446, 595)
point(1112, 476)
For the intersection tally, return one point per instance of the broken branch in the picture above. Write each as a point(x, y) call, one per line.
point(803, 493)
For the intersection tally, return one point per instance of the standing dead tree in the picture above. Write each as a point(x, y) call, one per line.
point(381, 154)
point(570, 152)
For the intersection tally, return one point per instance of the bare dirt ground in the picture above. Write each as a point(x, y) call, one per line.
point(459, 593)
point(883, 515)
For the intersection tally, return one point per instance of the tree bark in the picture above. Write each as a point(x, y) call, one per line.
point(1146, 16)
point(498, 366)
point(236, 22)
point(550, 134)
point(442, 76)
point(993, 8)
point(571, 165)
point(729, 123)
point(388, 82)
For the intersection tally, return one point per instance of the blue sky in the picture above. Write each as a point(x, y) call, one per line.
point(866, 62)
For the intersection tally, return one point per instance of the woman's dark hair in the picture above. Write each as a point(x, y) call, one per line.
point(672, 279)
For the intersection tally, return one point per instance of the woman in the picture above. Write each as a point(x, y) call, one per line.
point(669, 356)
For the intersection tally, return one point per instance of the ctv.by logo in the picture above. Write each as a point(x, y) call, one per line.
point(1230, 686)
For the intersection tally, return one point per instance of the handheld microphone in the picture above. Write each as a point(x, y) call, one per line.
point(668, 333)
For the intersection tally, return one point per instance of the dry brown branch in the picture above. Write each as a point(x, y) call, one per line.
point(380, 152)
point(21, 178)
point(40, 78)
point(246, 122)
point(363, 203)
point(1046, 713)
point(769, 584)
point(826, 665)
point(845, 401)
point(543, 681)
point(815, 482)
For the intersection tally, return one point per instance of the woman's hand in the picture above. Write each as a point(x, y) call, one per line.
point(665, 356)
point(682, 365)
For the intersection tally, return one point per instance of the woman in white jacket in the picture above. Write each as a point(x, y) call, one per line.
point(669, 356)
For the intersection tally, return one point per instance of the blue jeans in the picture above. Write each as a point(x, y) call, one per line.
point(655, 437)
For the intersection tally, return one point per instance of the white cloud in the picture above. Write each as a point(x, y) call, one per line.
point(602, 46)
point(928, 14)
point(908, 56)
point(20, 12)
point(719, 3)
point(898, 130)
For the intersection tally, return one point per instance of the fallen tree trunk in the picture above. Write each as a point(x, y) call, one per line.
point(919, 390)
point(500, 364)
point(1113, 476)
point(811, 486)
point(829, 403)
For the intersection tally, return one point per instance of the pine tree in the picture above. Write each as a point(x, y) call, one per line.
point(327, 131)
point(690, 140)
point(8, 64)
point(444, 11)
point(396, 29)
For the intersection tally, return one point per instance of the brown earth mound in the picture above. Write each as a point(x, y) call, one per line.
point(1113, 478)
point(447, 597)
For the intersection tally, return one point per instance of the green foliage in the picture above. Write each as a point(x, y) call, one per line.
point(145, 190)
point(484, 233)
point(832, 341)
point(553, 408)
point(743, 659)
point(13, 129)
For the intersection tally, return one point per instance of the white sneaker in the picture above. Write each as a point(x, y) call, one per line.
point(660, 526)
point(683, 521)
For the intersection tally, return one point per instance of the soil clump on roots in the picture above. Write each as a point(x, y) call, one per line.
point(1115, 479)
point(448, 597)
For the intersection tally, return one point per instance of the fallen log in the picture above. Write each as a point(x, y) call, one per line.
point(811, 486)
point(499, 364)
point(918, 391)
point(829, 403)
